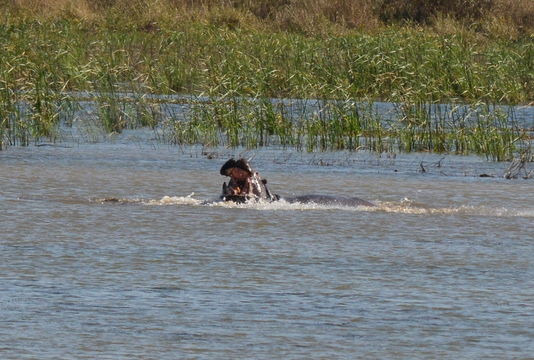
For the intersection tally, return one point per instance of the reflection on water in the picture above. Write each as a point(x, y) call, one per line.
point(123, 251)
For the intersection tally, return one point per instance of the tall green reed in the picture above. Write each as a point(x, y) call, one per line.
point(240, 70)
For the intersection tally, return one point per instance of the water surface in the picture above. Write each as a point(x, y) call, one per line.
point(441, 268)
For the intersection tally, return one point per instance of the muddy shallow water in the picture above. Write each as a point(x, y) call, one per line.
point(440, 268)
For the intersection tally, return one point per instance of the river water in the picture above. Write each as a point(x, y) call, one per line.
point(441, 268)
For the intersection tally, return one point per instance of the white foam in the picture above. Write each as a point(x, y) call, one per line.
point(284, 205)
point(405, 206)
point(526, 213)
point(175, 200)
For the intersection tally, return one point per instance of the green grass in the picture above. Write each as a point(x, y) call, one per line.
point(395, 64)
point(241, 69)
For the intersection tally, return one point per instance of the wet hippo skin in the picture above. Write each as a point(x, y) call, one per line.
point(329, 200)
point(311, 198)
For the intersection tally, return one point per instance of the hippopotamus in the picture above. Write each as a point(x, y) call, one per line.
point(329, 200)
point(246, 185)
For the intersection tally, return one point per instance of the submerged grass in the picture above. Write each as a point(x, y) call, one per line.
point(333, 125)
point(239, 69)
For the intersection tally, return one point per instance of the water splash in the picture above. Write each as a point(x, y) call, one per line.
point(404, 206)
point(175, 200)
point(407, 206)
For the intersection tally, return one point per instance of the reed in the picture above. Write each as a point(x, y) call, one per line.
point(116, 61)
point(14, 124)
point(424, 127)
point(9, 114)
point(395, 62)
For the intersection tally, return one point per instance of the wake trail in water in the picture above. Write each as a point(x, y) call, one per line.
point(401, 208)
point(407, 206)
point(175, 200)
point(404, 206)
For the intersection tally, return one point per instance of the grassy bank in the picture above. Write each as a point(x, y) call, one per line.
point(242, 50)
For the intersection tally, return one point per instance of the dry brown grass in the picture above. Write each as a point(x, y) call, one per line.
point(312, 15)
point(52, 8)
point(307, 16)
point(518, 13)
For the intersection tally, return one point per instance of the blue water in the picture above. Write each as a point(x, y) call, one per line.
point(441, 268)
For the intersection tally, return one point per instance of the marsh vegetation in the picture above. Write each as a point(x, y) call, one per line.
point(235, 57)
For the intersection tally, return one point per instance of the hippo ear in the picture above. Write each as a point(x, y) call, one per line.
point(227, 166)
